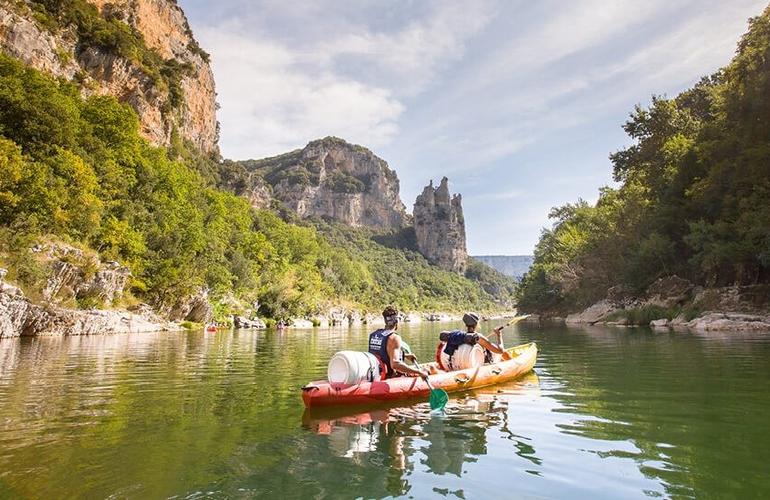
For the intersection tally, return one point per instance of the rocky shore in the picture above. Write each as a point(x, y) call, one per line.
point(81, 295)
point(20, 317)
point(676, 303)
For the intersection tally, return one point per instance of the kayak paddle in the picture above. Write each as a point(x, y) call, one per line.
point(499, 330)
point(515, 320)
point(438, 397)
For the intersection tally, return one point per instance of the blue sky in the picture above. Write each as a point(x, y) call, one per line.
point(519, 103)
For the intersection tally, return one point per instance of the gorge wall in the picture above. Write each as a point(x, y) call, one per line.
point(329, 178)
point(140, 51)
point(440, 227)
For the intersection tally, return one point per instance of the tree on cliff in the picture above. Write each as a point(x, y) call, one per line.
point(693, 200)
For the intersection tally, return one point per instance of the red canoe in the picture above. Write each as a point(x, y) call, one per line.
point(322, 393)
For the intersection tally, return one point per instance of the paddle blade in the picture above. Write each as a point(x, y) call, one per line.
point(438, 399)
point(516, 319)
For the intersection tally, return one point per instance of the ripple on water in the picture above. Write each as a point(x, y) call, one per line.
point(610, 413)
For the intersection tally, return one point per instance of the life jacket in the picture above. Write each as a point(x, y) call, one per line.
point(378, 345)
point(450, 342)
point(455, 339)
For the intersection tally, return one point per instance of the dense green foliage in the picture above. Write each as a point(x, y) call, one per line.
point(77, 169)
point(342, 182)
point(693, 198)
point(401, 275)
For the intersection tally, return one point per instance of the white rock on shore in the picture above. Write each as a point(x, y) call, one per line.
point(593, 314)
point(412, 318)
point(718, 321)
point(19, 317)
point(241, 322)
point(301, 323)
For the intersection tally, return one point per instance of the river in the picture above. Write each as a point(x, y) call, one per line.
point(607, 413)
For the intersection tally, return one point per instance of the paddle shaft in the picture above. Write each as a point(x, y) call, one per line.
point(417, 365)
point(515, 319)
point(499, 331)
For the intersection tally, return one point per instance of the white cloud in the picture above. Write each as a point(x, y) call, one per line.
point(277, 93)
point(529, 89)
point(411, 57)
point(270, 103)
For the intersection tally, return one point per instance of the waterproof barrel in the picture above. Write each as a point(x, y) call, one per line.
point(353, 367)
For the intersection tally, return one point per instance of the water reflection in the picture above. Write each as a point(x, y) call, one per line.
point(611, 413)
point(401, 438)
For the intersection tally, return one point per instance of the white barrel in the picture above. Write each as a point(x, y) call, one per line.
point(353, 367)
point(466, 356)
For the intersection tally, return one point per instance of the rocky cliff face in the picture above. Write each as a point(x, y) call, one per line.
point(167, 81)
point(72, 274)
point(20, 317)
point(332, 179)
point(678, 303)
point(440, 227)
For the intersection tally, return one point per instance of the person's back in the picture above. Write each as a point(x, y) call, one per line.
point(378, 345)
point(386, 345)
point(452, 340)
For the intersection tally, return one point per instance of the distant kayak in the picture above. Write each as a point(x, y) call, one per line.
point(211, 329)
point(323, 393)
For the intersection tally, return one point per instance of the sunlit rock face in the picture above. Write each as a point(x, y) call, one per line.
point(191, 114)
point(20, 317)
point(440, 227)
point(335, 180)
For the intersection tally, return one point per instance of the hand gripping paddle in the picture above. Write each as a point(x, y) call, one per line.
point(438, 397)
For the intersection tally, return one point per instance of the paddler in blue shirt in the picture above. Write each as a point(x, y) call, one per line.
point(471, 321)
point(388, 347)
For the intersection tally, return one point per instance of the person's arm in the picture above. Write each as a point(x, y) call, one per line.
point(490, 346)
point(395, 355)
point(499, 332)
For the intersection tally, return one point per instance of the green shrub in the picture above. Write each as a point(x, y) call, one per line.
point(644, 315)
point(341, 182)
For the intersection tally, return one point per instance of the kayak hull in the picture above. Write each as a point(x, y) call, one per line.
point(323, 393)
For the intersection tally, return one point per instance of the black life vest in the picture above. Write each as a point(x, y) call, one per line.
point(455, 339)
point(378, 345)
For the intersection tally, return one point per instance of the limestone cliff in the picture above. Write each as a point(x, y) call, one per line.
point(140, 51)
point(440, 227)
point(21, 317)
point(331, 179)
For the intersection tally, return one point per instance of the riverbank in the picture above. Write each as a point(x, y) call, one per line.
point(676, 303)
point(21, 316)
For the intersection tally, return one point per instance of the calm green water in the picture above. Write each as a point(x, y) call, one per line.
point(610, 413)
